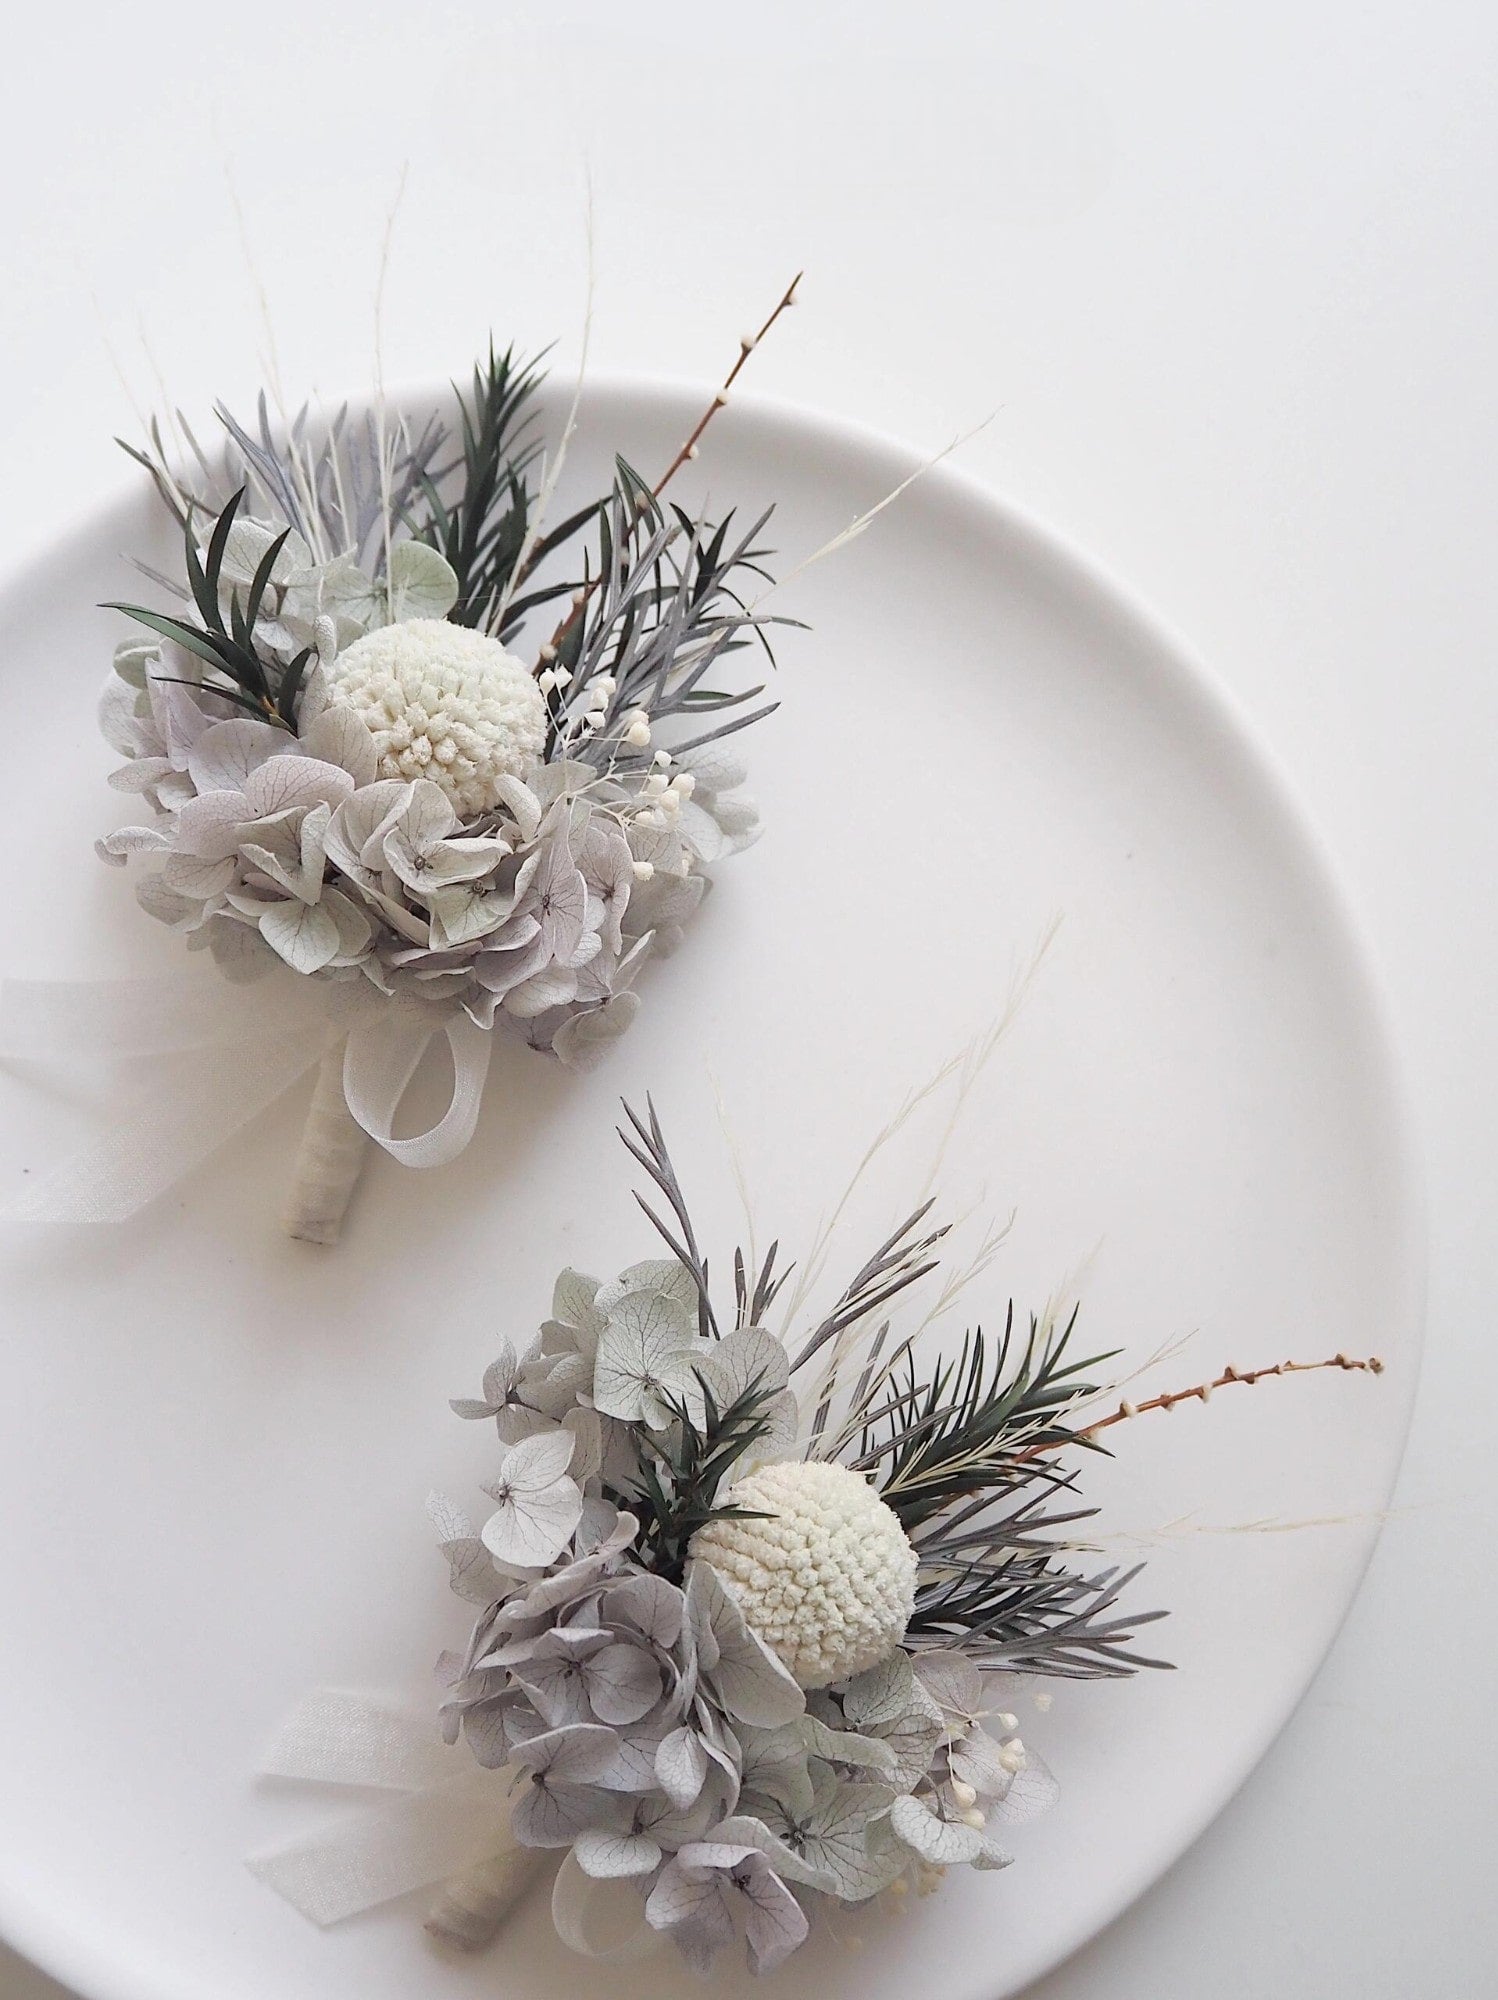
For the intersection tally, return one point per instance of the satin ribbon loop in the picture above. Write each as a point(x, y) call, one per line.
point(379, 1062)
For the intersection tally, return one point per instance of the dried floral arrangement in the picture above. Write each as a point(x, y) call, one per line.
point(754, 1603)
point(464, 769)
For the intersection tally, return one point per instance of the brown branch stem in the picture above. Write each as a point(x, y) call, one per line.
point(689, 448)
point(1200, 1392)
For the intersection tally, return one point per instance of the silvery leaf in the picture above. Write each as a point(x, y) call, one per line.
point(954, 1684)
point(749, 1680)
point(742, 1356)
point(284, 782)
point(1032, 1790)
point(355, 932)
point(743, 1830)
point(523, 805)
point(944, 1843)
point(833, 1839)
point(692, 1906)
point(358, 825)
point(539, 1506)
point(882, 1693)
point(913, 1738)
point(584, 1039)
point(553, 986)
point(642, 1353)
point(471, 1572)
point(202, 880)
point(609, 1856)
point(485, 1732)
point(301, 933)
point(660, 1277)
point(422, 583)
point(576, 1756)
point(553, 1383)
point(554, 1814)
point(141, 774)
point(681, 1766)
point(848, 1746)
point(572, 1300)
point(239, 951)
point(654, 1607)
point(226, 753)
point(774, 1922)
point(451, 1523)
point(209, 824)
point(339, 736)
point(975, 1759)
point(624, 1683)
point(245, 548)
point(536, 1463)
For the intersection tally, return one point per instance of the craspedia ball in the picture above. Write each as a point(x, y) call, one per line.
point(446, 703)
point(828, 1581)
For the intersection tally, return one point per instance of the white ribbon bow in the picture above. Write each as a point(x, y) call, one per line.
point(191, 1062)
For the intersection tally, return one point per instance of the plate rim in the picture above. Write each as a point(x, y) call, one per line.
point(47, 1941)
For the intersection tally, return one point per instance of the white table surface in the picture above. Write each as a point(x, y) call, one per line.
point(1228, 275)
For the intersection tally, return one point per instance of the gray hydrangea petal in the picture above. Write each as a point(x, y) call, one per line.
point(750, 1682)
point(623, 1683)
point(945, 1843)
point(882, 1693)
point(691, 1906)
point(1032, 1790)
point(954, 1684)
point(609, 1855)
point(226, 753)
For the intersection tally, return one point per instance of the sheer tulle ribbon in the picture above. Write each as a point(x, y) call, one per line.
point(189, 1063)
point(446, 1822)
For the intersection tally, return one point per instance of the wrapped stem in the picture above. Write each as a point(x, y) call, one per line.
point(329, 1159)
point(472, 1907)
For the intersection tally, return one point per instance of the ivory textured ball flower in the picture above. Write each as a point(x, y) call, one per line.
point(828, 1582)
point(447, 703)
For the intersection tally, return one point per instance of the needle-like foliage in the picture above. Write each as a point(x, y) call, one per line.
point(682, 1469)
point(239, 672)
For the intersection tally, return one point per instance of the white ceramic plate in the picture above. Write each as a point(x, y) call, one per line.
point(214, 1445)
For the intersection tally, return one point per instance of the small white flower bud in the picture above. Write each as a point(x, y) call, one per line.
point(656, 785)
point(644, 870)
point(973, 1817)
point(637, 735)
point(963, 1792)
point(662, 758)
point(1008, 1723)
point(684, 783)
point(546, 681)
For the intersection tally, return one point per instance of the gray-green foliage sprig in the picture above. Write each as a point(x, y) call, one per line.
point(478, 512)
point(245, 676)
point(660, 609)
point(971, 1456)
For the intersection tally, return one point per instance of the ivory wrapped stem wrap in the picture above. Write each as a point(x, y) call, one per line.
point(471, 1910)
point(329, 1160)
